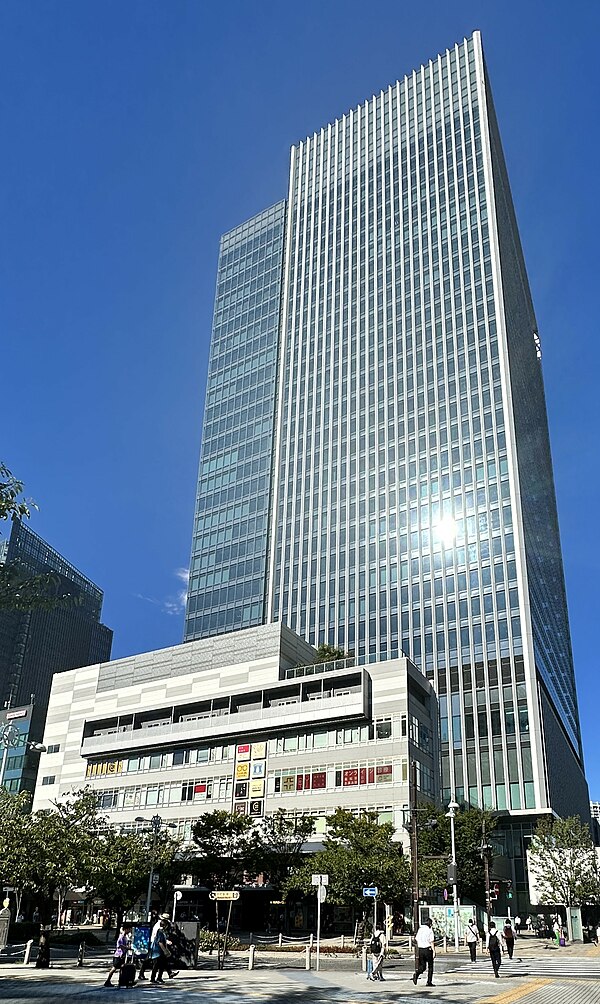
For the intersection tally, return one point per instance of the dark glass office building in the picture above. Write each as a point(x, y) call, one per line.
point(39, 643)
point(376, 435)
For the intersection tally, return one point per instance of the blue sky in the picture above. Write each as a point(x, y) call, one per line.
point(133, 135)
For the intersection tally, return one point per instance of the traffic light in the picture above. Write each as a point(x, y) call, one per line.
point(494, 890)
point(509, 892)
point(452, 874)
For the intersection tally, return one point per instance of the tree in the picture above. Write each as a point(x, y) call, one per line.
point(64, 845)
point(358, 852)
point(563, 863)
point(21, 589)
point(228, 847)
point(281, 840)
point(119, 870)
point(329, 653)
point(15, 832)
point(435, 843)
point(171, 861)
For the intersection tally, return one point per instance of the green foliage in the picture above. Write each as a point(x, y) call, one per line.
point(227, 848)
point(209, 941)
point(329, 653)
point(358, 851)
point(171, 861)
point(233, 847)
point(15, 831)
point(70, 845)
point(281, 838)
point(563, 862)
point(64, 846)
point(119, 869)
point(11, 505)
point(436, 841)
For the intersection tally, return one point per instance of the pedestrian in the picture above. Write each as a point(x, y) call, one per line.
point(164, 919)
point(377, 948)
point(517, 926)
point(159, 952)
point(43, 956)
point(529, 923)
point(122, 947)
point(598, 935)
point(472, 939)
point(556, 931)
point(425, 942)
point(509, 938)
point(494, 947)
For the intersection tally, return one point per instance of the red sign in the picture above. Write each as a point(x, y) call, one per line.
point(371, 775)
point(299, 782)
point(362, 775)
point(350, 777)
point(384, 773)
point(199, 789)
point(319, 779)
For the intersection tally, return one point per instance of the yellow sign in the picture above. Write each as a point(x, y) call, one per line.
point(242, 771)
point(225, 894)
point(259, 751)
point(108, 767)
point(257, 789)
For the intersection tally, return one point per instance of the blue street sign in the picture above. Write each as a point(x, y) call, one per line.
point(370, 890)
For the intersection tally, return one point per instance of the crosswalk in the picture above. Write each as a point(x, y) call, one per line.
point(557, 968)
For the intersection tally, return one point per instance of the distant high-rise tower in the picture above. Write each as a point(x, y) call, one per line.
point(376, 435)
point(34, 645)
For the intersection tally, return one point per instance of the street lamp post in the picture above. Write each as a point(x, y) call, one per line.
point(155, 825)
point(414, 847)
point(10, 738)
point(413, 828)
point(452, 807)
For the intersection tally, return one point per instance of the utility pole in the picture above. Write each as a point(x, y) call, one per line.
point(414, 846)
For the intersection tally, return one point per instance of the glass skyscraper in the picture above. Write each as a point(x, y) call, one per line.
point(386, 484)
point(38, 643)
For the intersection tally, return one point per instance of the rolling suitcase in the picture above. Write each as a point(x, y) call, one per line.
point(127, 972)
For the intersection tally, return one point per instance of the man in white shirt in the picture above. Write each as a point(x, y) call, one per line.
point(472, 939)
point(425, 942)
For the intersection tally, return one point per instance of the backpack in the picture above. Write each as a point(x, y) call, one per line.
point(493, 941)
point(509, 934)
point(375, 946)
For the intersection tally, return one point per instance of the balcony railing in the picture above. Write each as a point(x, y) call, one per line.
point(342, 707)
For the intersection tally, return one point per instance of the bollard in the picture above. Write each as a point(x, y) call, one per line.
point(81, 954)
point(312, 940)
point(280, 939)
point(307, 957)
point(28, 948)
point(445, 944)
point(251, 958)
point(343, 941)
point(364, 959)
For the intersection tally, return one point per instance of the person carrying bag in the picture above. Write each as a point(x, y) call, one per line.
point(472, 939)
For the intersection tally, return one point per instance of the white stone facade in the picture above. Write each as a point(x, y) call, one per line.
point(234, 723)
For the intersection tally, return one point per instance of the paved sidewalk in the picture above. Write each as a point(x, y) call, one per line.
point(22, 986)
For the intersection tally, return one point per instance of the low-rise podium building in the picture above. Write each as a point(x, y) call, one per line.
point(247, 721)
